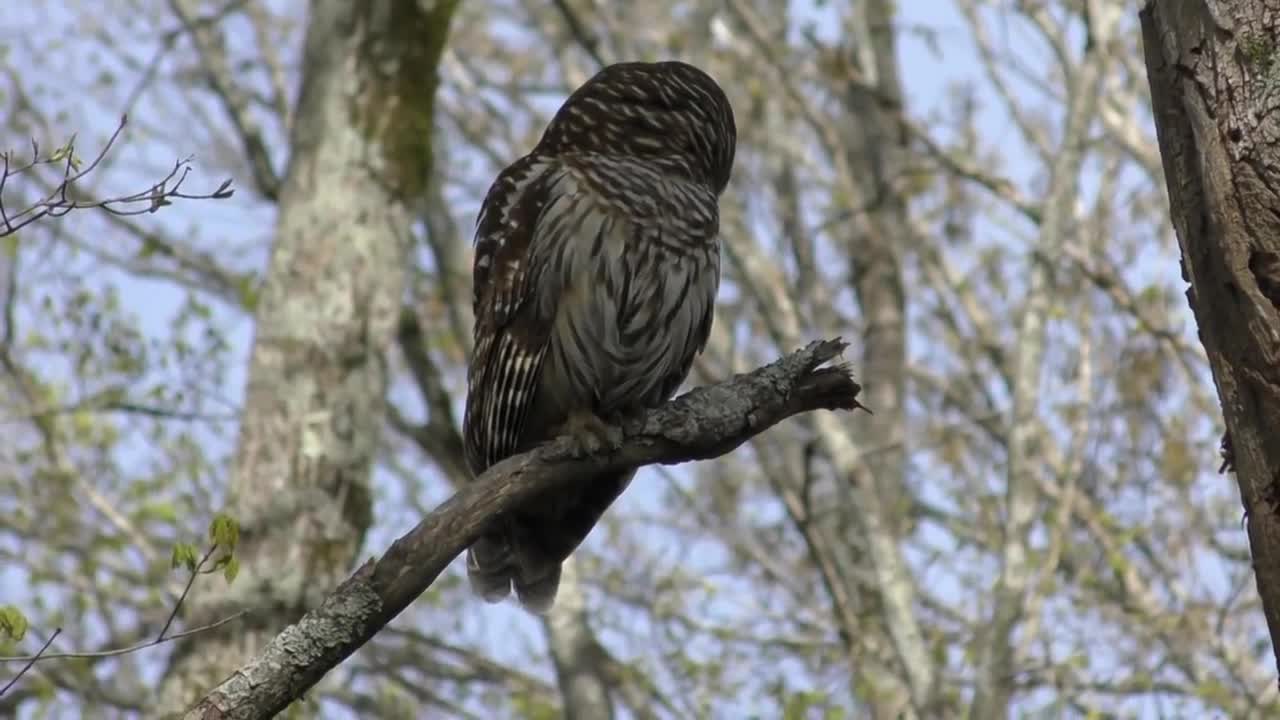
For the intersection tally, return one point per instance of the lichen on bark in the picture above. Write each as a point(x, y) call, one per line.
point(400, 53)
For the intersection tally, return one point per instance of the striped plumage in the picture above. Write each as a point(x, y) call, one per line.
point(596, 268)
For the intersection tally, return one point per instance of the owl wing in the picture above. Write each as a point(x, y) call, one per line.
point(511, 327)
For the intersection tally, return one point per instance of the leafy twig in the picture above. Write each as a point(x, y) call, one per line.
point(224, 533)
point(185, 591)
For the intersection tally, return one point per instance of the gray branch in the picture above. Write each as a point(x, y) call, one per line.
point(705, 423)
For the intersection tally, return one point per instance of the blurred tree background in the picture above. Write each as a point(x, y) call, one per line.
point(1031, 524)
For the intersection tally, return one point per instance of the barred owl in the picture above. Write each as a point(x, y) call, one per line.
point(597, 263)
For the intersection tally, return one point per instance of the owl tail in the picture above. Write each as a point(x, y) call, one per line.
point(493, 567)
point(536, 586)
point(490, 567)
point(525, 550)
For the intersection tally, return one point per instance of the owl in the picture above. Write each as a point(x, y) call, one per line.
point(597, 262)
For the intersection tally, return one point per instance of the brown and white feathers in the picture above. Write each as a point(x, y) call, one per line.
point(596, 269)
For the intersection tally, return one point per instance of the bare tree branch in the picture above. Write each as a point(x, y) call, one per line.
point(65, 196)
point(31, 661)
point(211, 45)
point(117, 652)
point(589, 42)
point(705, 423)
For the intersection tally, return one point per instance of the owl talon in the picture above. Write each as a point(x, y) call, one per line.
point(589, 434)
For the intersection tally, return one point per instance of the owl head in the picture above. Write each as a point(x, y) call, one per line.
point(668, 112)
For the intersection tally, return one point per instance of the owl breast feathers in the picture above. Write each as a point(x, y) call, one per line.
point(597, 263)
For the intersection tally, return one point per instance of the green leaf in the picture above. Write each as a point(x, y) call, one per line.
point(528, 707)
point(232, 569)
point(798, 704)
point(161, 510)
point(247, 288)
point(67, 152)
point(184, 555)
point(13, 624)
point(224, 531)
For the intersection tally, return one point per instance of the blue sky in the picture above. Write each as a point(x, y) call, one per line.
point(930, 64)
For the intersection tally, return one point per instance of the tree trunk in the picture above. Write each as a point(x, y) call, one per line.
point(580, 660)
point(1214, 69)
point(876, 496)
point(299, 487)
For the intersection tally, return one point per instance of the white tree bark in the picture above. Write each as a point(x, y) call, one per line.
point(328, 310)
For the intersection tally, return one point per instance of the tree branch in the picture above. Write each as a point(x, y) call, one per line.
point(210, 43)
point(67, 196)
point(705, 423)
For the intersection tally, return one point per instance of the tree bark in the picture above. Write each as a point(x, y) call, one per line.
point(1214, 70)
point(360, 160)
point(579, 659)
point(705, 423)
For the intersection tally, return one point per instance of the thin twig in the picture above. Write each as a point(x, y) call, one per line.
point(61, 200)
point(182, 598)
point(30, 661)
point(126, 650)
point(589, 43)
